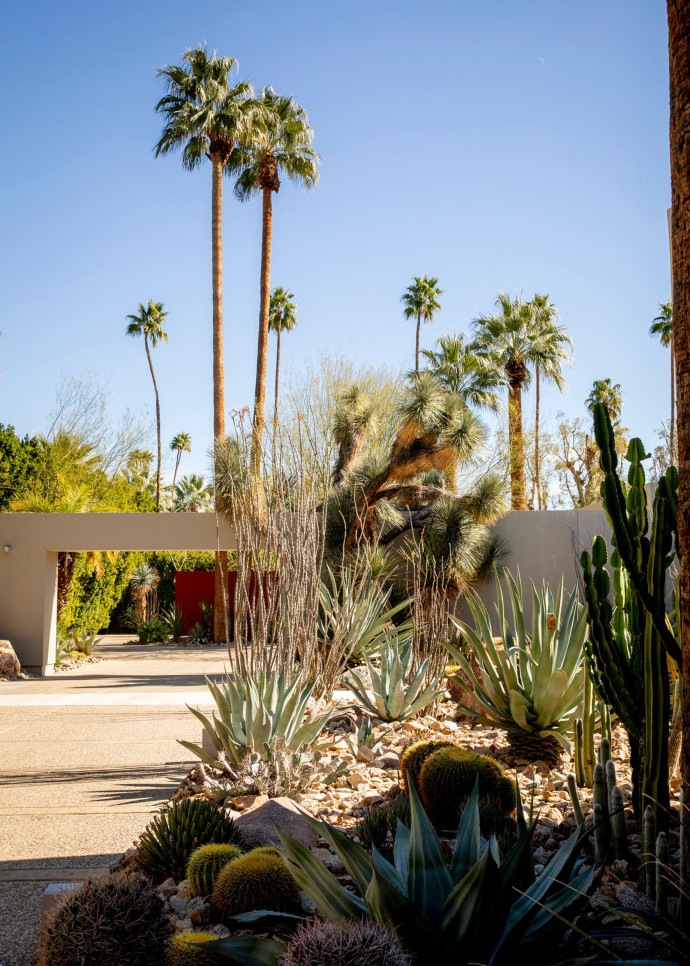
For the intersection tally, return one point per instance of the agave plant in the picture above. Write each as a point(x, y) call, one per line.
point(530, 686)
point(477, 909)
point(354, 616)
point(397, 693)
point(255, 716)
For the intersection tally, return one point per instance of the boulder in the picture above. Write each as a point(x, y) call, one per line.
point(9, 662)
point(258, 825)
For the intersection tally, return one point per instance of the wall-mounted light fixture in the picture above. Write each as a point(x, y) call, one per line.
point(7, 548)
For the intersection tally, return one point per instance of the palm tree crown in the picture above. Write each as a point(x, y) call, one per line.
point(203, 113)
point(462, 370)
point(662, 326)
point(193, 494)
point(608, 393)
point(421, 301)
point(282, 315)
point(181, 443)
point(280, 144)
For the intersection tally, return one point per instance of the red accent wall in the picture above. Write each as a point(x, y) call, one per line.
point(193, 587)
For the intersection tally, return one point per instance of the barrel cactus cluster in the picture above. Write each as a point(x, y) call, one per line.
point(205, 864)
point(257, 880)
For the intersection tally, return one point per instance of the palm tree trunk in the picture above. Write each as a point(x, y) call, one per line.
point(220, 631)
point(537, 473)
point(262, 350)
point(517, 447)
point(66, 563)
point(158, 423)
point(679, 74)
point(177, 465)
point(416, 351)
point(275, 395)
point(672, 430)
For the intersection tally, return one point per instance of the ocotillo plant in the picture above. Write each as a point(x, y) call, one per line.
point(630, 636)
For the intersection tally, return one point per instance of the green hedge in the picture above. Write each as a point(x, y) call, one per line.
point(91, 602)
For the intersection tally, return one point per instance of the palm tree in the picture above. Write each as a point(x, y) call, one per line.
point(662, 326)
point(206, 118)
point(608, 393)
point(548, 365)
point(461, 370)
point(193, 495)
point(143, 580)
point(181, 443)
point(282, 317)
point(421, 302)
point(149, 323)
point(511, 342)
point(281, 146)
point(679, 71)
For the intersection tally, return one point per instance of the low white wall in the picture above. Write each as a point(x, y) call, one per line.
point(543, 544)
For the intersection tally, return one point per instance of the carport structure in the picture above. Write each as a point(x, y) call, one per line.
point(29, 547)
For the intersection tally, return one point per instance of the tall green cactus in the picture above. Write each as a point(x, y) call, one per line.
point(631, 635)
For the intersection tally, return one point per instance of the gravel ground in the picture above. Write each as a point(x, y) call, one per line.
point(20, 911)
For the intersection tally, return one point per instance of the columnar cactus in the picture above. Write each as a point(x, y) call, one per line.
point(630, 636)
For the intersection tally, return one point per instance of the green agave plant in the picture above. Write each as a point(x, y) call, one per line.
point(531, 686)
point(254, 716)
point(354, 615)
point(397, 693)
point(478, 908)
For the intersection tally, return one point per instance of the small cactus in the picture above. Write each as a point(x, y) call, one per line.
point(649, 851)
point(321, 943)
point(619, 825)
point(661, 867)
point(115, 920)
point(205, 863)
point(446, 781)
point(414, 756)
point(254, 881)
point(187, 949)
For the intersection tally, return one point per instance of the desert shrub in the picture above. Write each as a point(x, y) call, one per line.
point(154, 631)
point(91, 601)
point(116, 920)
point(170, 838)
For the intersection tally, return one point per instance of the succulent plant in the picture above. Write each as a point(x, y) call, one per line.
point(170, 838)
point(321, 943)
point(532, 685)
point(256, 880)
point(254, 716)
point(205, 863)
point(398, 692)
point(378, 824)
point(446, 780)
point(188, 949)
point(115, 920)
point(414, 756)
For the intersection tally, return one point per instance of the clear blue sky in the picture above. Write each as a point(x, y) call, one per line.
point(497, 145)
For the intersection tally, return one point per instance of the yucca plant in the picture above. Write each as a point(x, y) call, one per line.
point(255, 716)
point(481, 908)
point(397, 692)
point(531, 685)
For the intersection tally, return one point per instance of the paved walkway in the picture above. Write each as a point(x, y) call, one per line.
point(85, 757)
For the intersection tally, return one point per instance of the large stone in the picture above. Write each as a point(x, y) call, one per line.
point(258, 825)
point(9, 662)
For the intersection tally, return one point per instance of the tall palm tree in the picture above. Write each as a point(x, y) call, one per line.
point(609, 393)
point(281, 145)
point(679, 72)
point(548, 365)
point(181, 443)
point(206, 117)
point(149, 323)
point(282, 317)
point(662, 326)
point(193, 494)
point(421, 301)
point(512, 342)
